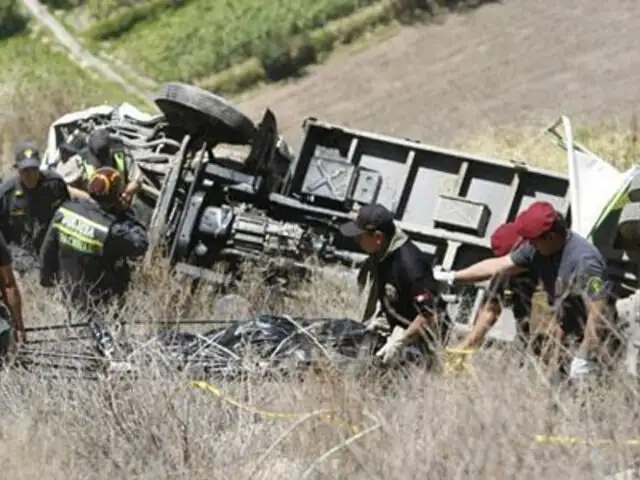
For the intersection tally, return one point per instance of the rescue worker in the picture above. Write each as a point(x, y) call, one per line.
point(27, 203)
point(401, 281)
point(12, 329)
point(106, 151)
point(515, 292)
point(87, 246)
point(573, 274)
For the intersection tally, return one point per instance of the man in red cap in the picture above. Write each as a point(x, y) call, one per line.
point(516, 292)
point(573, 273)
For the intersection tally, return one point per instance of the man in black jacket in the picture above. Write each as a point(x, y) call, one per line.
point(27, 203)
point(402, 280)
point(87, 246)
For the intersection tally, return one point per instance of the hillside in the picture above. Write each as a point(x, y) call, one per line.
point(522, 63)
point(39, 82)
point(488, 80)
point(228, 46)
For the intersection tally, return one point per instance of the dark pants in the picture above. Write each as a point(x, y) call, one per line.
point(573, 322)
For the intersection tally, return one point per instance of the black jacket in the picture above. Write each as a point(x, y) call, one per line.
point(86, 249)
point(25, 214)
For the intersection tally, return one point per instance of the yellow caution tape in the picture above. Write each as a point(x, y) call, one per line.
point(456, 361)
point(218, 392)
point(600, 442)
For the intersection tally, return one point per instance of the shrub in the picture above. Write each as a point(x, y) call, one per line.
point(12, 19)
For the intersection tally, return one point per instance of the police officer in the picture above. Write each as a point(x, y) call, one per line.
point(515, 292)
point(28, 201)
point(11, 323)
point(87, 246)
point(401, 276)
point(573, 273)
point(104, 150)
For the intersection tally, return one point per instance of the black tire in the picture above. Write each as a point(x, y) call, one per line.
point(202, 113)
point(629, 225)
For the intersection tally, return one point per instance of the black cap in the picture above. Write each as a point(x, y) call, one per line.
point(100, 143)
point(371, 218)
point(27, 156)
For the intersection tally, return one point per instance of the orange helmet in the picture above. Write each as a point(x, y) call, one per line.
point(106, 185)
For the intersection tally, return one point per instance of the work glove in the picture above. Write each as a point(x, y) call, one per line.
point(392, 348)
point(377, 324)
point(581, 368)
point(444, 276)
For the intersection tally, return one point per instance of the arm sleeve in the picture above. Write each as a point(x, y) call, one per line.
point(60, 193)
point(5, 254)
point(421, 284)
point(128, 239)
point(592, 280)
point(49, 264)
point(523, 256)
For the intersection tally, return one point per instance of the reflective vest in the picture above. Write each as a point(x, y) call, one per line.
point(81, 228)
point(119, 162)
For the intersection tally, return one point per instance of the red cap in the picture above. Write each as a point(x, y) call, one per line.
point(536, 220)
point(504, 239)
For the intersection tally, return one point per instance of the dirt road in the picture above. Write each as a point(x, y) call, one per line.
point(80, 55)
point(525, 60)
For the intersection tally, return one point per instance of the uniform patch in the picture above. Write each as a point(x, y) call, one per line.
point(391, 292)
point(595, 286)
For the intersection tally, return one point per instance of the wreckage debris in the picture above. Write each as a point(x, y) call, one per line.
point(220, 189)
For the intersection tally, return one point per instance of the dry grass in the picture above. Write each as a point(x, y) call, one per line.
point(418, 426)
point(613, 140)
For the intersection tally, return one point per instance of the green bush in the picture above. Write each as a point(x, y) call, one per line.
point(282, 58)
point(63, 4)
point(206, 37)
point(124, 19)
point(12, 20)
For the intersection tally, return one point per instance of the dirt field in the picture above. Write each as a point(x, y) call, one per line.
point(525, 60)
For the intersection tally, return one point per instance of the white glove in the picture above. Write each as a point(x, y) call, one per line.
point(444, 276)
point(393, 346)
point(377, 324)
point(582, 368)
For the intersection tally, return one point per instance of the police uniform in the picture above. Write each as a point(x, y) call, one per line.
point(25, 213)
point(87, 246)
point(403, 282)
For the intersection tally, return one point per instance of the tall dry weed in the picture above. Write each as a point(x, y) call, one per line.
point(418, 425)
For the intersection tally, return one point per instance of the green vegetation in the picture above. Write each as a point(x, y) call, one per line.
point(12, 20)
point(205, 37)
point(39, 83)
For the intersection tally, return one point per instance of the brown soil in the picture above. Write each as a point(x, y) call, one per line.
point(522, 61)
